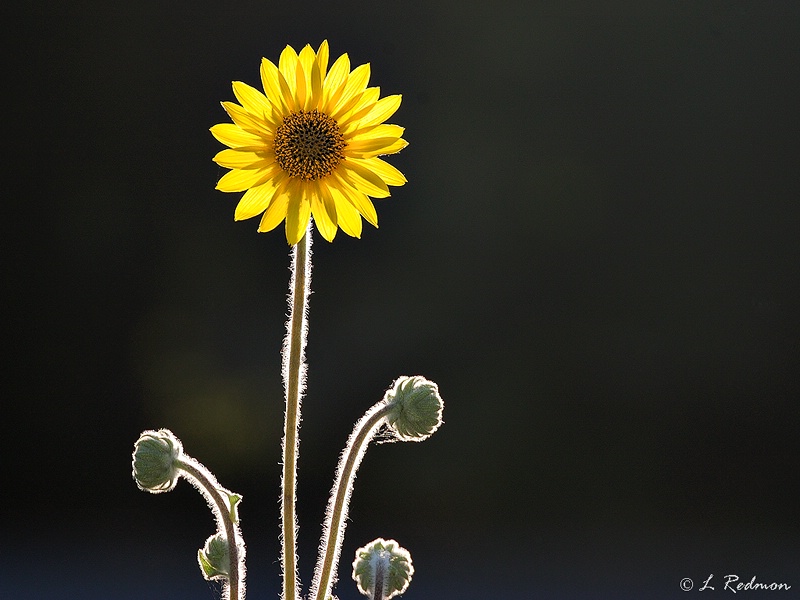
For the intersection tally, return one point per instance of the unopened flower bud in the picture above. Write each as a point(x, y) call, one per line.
point(416, 408)
point(382, 566)
point(154, 461)
point(215, 557)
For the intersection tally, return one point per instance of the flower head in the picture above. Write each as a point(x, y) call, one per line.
point(215, 558)
point(416, 408)
point(155, 457)
point(309, 145)
point(384, 564)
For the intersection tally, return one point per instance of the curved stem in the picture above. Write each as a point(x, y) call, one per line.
point(216, 494)
point(333, 534)
point(294, 380)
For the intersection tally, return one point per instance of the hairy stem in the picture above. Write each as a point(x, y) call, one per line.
point(333, 533)
point(294, 370)
point(216, 494)
point(380, 569)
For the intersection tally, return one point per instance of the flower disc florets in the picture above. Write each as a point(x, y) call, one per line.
point(154, 460)
point(308, 145)
point(415, 408)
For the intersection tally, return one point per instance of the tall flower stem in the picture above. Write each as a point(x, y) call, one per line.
point(333, 533)
point(294, 375)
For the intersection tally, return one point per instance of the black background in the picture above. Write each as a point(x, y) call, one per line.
point(596, 257)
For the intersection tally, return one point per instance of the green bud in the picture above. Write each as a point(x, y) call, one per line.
point(215, 557)
point(416, 408)
point(385, 565)
point(154, 461)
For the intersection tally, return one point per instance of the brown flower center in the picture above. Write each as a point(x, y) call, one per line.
point(309, 145)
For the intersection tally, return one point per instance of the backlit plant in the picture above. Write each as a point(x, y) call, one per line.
point(305, 152)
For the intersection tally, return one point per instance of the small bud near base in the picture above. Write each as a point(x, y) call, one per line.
point(382, 569)
point(215, 558)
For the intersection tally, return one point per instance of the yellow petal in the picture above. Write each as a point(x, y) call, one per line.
point(241, 158)
point(382, 169)
point(324, 213)
point(369, 150)
point(287, 93)
point(287, 64)
point(349, 121)
point(322, 59)
point(300, 95)
point(313, 101)
point(276, 211)
point(298, 213)
point(377, 131)
point(335, 80)
point(239, 180)
point(392, 149)
point(383, 109)
point(255, 102)
point(327, 201)
point(356, 83)
point(369, 147)
point(234, 136)
point(362, 179)
point(359, 200)
point(256, 200)
point(307, 59)
point(347, 217)
point(244, 119)
point(374, 141)
point(270, 78)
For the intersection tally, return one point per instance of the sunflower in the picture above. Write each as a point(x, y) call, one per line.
point(309, 145)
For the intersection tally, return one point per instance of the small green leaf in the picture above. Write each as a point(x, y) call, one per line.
point(233, 501)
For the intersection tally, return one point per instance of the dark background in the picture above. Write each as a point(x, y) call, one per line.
point(596, 257)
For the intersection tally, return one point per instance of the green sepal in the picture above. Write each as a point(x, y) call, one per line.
point(233, 502)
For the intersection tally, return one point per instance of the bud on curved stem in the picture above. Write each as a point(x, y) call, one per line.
point(415, 408)
point(411, 410)
point(155, 455)
point(158, 461)
point(224, 505)
point(215, 558)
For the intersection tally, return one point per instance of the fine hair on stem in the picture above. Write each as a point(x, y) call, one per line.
point(336, 514)
point(294, 378)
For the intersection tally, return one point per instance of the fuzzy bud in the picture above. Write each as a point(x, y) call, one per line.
point(385, 565)
point(154, 461)
point(215, 557)
point(416, 408)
